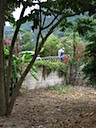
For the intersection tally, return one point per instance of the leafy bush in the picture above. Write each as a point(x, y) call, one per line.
point(49, 66)
point(51, 46)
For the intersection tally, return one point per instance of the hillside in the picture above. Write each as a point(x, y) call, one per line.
point(9, 30)
point(27, 28)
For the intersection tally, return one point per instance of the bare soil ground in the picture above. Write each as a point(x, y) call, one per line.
point(49, 108)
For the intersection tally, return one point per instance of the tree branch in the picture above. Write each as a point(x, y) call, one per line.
point(18, 86)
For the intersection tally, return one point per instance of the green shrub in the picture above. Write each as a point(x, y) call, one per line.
point(49, 66)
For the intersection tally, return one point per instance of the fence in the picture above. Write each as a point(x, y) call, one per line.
point(51, 58)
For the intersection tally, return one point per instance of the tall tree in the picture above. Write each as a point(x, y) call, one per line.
point(87, 28)
point(58, 10)
point(2, 85)
point(51, 46)
point(27, 42)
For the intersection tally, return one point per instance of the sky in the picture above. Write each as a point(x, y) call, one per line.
point(17, 12)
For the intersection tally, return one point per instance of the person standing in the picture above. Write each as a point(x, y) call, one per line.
point(61, 54)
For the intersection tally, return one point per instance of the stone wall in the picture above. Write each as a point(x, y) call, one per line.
point(50, 80)
point(74, 76)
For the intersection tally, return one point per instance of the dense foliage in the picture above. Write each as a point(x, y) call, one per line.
point(27, 42)
point(51, 46)
point(87, 28)
point(90, 64)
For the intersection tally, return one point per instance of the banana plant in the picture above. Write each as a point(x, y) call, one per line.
point(19, 61)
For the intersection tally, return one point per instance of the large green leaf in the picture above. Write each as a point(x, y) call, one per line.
point(6, 51)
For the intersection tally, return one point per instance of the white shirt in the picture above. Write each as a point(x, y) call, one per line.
point(61, 53)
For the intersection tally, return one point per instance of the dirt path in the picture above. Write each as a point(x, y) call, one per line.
point(53, 109)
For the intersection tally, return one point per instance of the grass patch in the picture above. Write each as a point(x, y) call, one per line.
point(60, 89)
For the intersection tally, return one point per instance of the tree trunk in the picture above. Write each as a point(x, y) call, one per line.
point(9, 73)
point(2, 87)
